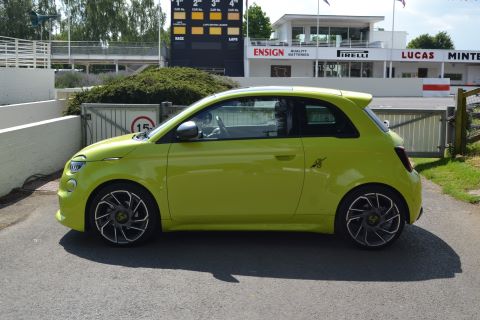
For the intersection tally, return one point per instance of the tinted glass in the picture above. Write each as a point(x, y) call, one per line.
point(324, 119)
point(247, 118)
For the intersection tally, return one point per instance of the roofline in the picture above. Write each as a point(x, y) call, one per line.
point(289, 17)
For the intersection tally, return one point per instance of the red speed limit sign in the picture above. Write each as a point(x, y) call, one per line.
point(142, 123)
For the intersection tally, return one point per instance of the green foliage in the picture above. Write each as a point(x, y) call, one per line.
point(259, 26)
point(441, 40)
point(112, 20)
point(456, 176)
point(15, 19)
point(182, 86)
point(73, 79)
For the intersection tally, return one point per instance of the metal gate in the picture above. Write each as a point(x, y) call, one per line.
point(426, 132)
point(102, 121)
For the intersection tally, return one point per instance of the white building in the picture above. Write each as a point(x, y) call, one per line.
point(351, 47)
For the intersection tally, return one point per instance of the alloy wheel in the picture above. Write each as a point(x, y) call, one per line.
point(121, 217)
point(373, 220)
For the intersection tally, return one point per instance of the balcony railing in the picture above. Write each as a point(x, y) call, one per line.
point(106, 48)
point(298, 43)
point(19, 53)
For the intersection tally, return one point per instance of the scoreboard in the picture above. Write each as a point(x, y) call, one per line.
point(207, 34)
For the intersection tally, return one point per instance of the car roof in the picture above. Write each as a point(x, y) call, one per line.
point(360, 99)
point(280, 89)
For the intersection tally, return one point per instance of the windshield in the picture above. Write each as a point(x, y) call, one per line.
point(167, 122)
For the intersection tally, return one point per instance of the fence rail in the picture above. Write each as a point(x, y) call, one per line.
point(19, 53)
point(467, 119)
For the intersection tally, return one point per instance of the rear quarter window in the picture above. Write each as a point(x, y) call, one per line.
point(376, 119)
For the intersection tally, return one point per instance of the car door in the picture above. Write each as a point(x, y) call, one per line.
point(330, 141)
point(247, 166)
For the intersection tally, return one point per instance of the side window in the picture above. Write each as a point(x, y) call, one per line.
point(322, 119)
point(247, 118)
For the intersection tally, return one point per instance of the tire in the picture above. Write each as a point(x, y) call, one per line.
point(371, 217)
point(123, 214)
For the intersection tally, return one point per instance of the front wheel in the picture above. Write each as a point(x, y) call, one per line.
point(123, 214)
point(371, 217)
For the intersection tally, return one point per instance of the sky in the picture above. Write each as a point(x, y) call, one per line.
point(460, 18)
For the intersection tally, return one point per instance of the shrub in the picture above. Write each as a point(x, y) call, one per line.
point(75, 79)
point(182, 86)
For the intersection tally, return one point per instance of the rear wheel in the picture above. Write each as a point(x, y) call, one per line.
point(123, 214)
point(371, 217)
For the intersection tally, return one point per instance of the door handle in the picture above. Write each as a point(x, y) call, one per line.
point(285, 157)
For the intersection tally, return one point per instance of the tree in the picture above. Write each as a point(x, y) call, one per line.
point(112, 20)
point(259, 26)
point(15, 19)
point(441, 40)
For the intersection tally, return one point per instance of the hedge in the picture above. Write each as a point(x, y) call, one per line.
point(182, 86)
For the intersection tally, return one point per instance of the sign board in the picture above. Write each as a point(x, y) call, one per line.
point(207, 34)
point(362, 54)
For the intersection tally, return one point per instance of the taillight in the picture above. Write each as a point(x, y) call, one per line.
point(402, 154)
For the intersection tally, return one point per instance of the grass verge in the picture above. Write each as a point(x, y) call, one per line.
point(459, 177)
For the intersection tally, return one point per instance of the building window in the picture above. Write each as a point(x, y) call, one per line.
point(298, 34)
point(281, 71)
point(338, 37)
point(323, 35)
point(423, 72)
point(454, 76)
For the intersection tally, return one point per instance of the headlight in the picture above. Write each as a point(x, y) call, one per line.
point(75, 166)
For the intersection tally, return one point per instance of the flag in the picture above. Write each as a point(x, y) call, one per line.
point(326, 1)
point(403, 2)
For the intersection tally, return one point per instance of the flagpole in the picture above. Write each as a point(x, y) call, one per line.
point(248, 42)
point(391, 45)
point(318, 29)
point(159, 34)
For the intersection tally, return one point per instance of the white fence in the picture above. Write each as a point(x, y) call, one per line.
point(36, 148)
point(23, 113)
point(19, 53)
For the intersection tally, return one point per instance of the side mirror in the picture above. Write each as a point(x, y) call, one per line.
point(187, 131)
point(386, 123)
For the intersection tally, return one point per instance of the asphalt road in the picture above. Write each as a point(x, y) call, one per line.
point(432, 272)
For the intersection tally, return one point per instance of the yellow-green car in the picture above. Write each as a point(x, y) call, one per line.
point(269, 158)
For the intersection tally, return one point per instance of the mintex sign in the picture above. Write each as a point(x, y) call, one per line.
point(462, 56)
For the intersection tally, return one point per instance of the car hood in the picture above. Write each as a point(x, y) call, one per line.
point(117, 147)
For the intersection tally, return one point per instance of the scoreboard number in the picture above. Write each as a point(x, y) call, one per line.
point(179, 2)
point(214, 3)
point(196, 2)
point(233, 3)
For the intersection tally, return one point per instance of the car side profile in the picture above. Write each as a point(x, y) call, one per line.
point(264, 158)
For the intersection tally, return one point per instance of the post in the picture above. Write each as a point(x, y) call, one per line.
point(318, 30)
point(391, 45)
point(442, 70)
point(248, 43)
point(16, 53)
point(159, 34)
point(34, 47)
point(69, 41)
point(461, 123)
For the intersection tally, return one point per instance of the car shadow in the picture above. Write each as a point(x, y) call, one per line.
point(417, 255)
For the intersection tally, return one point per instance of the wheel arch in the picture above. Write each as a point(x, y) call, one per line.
point(109, 182)
point(381, 185)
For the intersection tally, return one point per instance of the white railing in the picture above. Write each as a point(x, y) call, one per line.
point(313, 43)
point(19, 53)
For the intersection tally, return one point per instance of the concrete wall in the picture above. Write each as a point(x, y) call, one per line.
point(18, 85)
point(17, 114)
point(374, 86)
point(37, 148)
